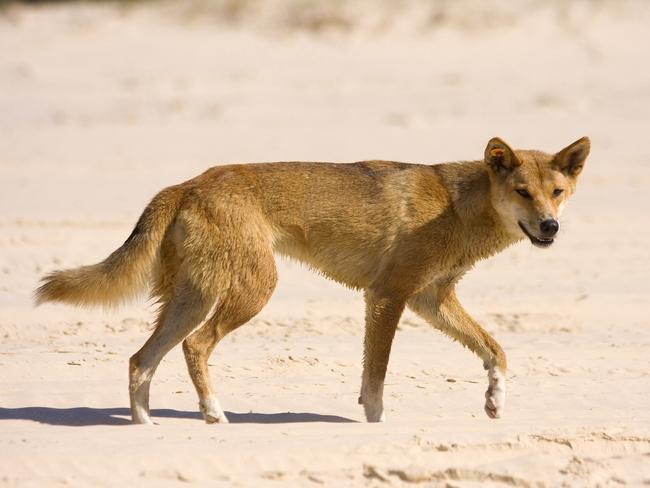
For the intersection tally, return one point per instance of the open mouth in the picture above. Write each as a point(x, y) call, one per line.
point(537, 241)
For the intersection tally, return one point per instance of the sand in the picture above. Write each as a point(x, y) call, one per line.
point(101, 106)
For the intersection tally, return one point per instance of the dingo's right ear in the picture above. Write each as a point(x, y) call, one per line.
point(498, 155)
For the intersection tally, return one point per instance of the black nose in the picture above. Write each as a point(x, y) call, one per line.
point(549, 227)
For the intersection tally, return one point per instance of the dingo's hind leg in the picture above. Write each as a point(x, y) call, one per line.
point(247, 295)
point(242, 268)
point(186, 308)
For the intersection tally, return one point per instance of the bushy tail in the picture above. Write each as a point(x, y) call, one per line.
point(123, 274)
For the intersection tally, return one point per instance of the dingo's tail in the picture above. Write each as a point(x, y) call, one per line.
point(123, 274)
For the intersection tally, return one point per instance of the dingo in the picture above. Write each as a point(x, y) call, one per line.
point(403, 233)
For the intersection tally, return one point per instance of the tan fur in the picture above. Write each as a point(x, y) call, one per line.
point(403, 233)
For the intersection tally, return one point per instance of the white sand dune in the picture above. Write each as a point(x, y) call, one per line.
point(102, 106)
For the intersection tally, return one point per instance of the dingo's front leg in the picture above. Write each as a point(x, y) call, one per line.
point(382, 315)
point(495, 396)
point(441, 308)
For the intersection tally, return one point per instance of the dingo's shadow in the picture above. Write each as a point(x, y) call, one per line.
point(85, 416)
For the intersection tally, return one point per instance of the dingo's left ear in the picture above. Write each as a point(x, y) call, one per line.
point(571, 159)
point(498, 155)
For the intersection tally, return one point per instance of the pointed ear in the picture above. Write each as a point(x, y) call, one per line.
point(571, 159)
point(499, 156)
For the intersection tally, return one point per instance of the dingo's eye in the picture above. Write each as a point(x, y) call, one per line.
point(557, 192)
point(524, 193)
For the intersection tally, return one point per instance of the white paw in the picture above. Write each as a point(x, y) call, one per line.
point(374, 410)
point(495, 396)
point(140, 408)
point(212, 412)
point(140, 416)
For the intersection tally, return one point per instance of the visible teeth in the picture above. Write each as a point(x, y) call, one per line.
point(543, 241)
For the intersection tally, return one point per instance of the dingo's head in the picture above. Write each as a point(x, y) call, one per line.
point(529, 188)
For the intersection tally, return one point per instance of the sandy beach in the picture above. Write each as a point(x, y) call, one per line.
point(103, 105)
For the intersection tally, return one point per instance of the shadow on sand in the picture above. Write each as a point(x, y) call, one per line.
point(85, 416)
